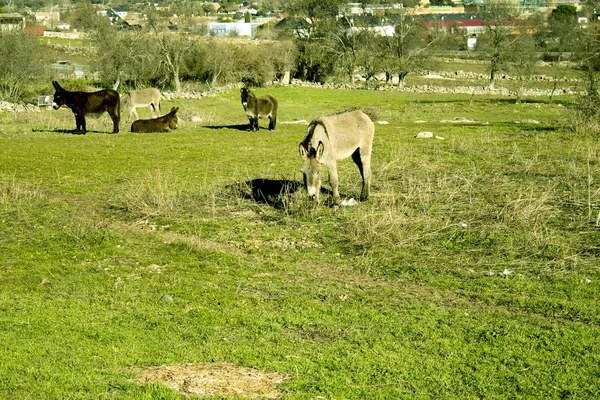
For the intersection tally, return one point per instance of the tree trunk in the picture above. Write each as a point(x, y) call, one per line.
point(402, 80)
point(176, 79)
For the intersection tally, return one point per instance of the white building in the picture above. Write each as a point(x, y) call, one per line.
point(232, 28)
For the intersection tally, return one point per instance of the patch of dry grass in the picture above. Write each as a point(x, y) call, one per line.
point(13, 192)
point(215, 379)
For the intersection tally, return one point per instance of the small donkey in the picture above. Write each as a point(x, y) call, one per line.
point(160, 124)
point(259, 107)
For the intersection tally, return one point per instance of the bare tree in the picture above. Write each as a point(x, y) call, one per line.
point(499, 16)
point(405, 51)
point(522, 59)
point(172, 48)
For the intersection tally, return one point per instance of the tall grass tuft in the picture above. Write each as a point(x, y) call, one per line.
point(14, 193)
point(155, 193)
point(529, 210)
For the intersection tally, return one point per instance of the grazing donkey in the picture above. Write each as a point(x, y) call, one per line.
point(160, 124)
point(259, 107)
point(149, 97)
point(82, 103)
point(334, 137)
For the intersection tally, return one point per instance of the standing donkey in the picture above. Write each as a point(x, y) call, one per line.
point(149, 97)
point(334, 137)
point(259, 107)
point(82, 103)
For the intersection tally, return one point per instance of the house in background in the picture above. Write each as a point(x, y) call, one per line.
point(232, 28)
point(10, 21)
point(48, 18)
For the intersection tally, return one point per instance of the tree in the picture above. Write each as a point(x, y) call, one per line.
point(21, 60)
point(522, 59)
point(171, 50)
point(85, 17)
point(113, 53)
point(406, 50)
point(313, 24)
point(497, 42)
point(560, 31)
point(219, 58)
point(347, 43)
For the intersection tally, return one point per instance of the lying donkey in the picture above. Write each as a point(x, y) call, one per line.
point(259, 107)
point(160, 124)
point(334, 137)
point(82, 103)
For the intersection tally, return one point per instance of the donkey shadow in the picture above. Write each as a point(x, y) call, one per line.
point(267, 191)
point(238, 127)
point(272, 192)
point(67, 131)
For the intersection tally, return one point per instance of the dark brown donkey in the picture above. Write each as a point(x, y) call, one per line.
point(160, 124)
point(82, 103)
point(259, 107)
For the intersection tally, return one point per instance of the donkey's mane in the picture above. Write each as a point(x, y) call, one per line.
point(311, 131)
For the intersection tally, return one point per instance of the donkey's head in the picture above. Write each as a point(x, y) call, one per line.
point(173, 120)
point(59, 96)
point(311, 168)
point(245, 95)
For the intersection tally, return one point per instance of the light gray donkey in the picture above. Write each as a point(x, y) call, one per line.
point(334, 137)
point(149, 97)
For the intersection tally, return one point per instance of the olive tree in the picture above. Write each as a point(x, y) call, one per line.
point(21, 60)
point(313, 22)
point(113, 53)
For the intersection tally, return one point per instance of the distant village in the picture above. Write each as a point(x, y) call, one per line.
point(244, 21)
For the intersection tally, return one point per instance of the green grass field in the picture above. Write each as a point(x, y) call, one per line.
point(472, 272)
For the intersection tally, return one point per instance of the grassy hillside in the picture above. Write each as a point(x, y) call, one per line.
point(472, 272)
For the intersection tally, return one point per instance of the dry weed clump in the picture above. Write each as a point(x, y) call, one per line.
point(154, 194)
point(13, 193)
point(216, 379)
point(528, 210)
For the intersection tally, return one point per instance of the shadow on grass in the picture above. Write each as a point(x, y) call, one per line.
point(276, 193)
point(239, 127)
point(69, 131)
point(272, 192)
point(528, 126)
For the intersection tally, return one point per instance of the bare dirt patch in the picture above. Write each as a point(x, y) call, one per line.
point(215, 379)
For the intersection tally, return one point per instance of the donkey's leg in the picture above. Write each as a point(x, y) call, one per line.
point(334, 182)
point(362, 159)
point(272, 122)
point(80, 122)
point(116, 118)
point(153, 110)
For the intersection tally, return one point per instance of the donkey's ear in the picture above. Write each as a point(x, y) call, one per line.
point(320, 149)
point(56, 85)
point(303, 151)
point(175, 109)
